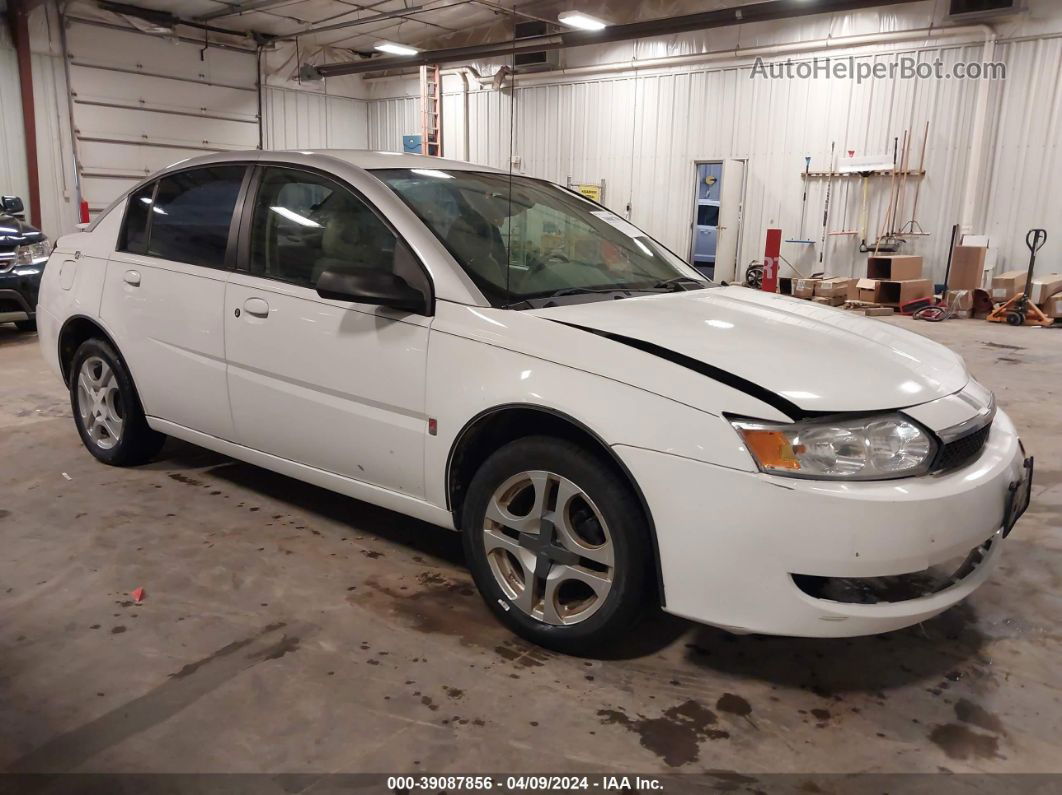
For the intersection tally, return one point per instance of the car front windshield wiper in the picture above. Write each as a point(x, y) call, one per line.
point(679, 282)
point(581, 290)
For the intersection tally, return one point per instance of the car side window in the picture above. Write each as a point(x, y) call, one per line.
point(133, 237)
point(305, 224)
point(191, 214)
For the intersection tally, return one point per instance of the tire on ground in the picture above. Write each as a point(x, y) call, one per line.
point(138, 443)
point(630, 592)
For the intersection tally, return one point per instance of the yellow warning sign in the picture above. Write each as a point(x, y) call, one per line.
point(590, 191)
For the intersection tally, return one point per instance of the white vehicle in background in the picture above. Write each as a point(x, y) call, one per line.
point(498, 355)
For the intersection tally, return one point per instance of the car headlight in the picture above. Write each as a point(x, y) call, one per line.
point(33, 253)
point(840, 448)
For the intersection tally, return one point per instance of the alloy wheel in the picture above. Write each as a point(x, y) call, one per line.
point(549, 547)
point(99, 403)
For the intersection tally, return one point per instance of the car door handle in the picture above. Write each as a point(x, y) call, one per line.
point(132, 277)
point(257, 307)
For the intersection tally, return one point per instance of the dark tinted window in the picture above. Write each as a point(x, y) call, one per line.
point(305, 224)
point(134, 230)
point(707, 215)
point(191, 214)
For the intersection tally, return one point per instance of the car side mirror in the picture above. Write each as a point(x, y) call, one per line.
point(12, 205)
point(371, 286)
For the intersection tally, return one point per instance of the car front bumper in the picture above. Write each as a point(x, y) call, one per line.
point(730, 542)
point(18, 293)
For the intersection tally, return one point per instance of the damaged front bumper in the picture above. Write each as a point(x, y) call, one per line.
point(896, 552)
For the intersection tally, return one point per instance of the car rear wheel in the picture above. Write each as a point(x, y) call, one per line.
point(557, 544)
point(107, 408)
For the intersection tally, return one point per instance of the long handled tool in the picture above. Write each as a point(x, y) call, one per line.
point(1019, 309)
point(892, 192)
point(901, 193)
point(864, 214)
point(844, 230)
point(826, 206)
point(804, 207)
point(912, 225)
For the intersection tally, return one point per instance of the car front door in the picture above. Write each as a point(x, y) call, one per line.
point(165, 290)
point(336, 385)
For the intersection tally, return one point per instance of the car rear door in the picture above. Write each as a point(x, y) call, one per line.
point(335, 385)
point(164, 295)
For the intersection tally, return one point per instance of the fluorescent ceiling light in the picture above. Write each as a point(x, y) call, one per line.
point(396, 49)
point(431, 172)
point(577, 19)
point(293, 216)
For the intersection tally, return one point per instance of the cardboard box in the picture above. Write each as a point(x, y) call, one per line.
point(834, 287)
point(1043, 287)
point(967, 267)
point(879, 311)
point(894, 268)
point(864, 290)
point(1008, 284)
point(829, 300)
point(896, 292)
point(1053, 306)
point(804, 288)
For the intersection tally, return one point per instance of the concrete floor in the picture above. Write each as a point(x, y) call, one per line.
point(287, 629)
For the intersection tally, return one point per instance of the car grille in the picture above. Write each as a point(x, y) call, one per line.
point(962, 451)
point(896, 587)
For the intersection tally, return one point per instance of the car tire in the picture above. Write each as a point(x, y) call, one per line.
point(589, 566)
point(26, 325)
point(107, 409)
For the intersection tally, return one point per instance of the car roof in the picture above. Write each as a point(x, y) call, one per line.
point(360, 158)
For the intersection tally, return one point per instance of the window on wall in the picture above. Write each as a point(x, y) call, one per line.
point(191, 214)
point(305, 224)
point(133, 237)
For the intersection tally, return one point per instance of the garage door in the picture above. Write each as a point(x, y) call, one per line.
point(142, 102)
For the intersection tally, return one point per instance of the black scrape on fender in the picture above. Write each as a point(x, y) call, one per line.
point(787, 407)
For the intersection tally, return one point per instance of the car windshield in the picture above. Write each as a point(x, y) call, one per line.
point(526, 242)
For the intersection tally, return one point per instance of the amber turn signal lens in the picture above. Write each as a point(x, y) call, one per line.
point(770, 448)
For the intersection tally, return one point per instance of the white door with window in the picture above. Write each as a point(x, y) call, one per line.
point(165, 290)
point(335, 385)
point(728, 231)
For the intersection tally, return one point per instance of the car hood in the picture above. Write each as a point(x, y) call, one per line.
point(14, 231)
point(818, 358)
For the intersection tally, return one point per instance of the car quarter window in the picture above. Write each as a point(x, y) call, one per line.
point(305, 224)
point(191, 214)
point(133, 237)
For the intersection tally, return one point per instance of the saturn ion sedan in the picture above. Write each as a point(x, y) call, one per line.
point(499, 356)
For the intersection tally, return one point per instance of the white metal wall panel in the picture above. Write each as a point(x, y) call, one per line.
point(54, 146)
point(1025, 166)
point(13, 179)
point(60, 213)
point(642, 135)
point(390, 119)
point(141, 102)
point(305, 120)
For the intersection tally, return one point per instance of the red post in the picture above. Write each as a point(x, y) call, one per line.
point(771, 259)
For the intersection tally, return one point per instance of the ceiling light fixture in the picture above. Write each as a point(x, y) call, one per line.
point(396, 49)
point(577, 19)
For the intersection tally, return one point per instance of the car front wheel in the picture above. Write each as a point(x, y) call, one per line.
point(107, 408)
point(558, 545)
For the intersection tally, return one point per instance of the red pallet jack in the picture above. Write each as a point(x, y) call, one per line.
point(1019, 310)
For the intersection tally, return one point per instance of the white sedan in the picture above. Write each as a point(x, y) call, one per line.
point(497, 355)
